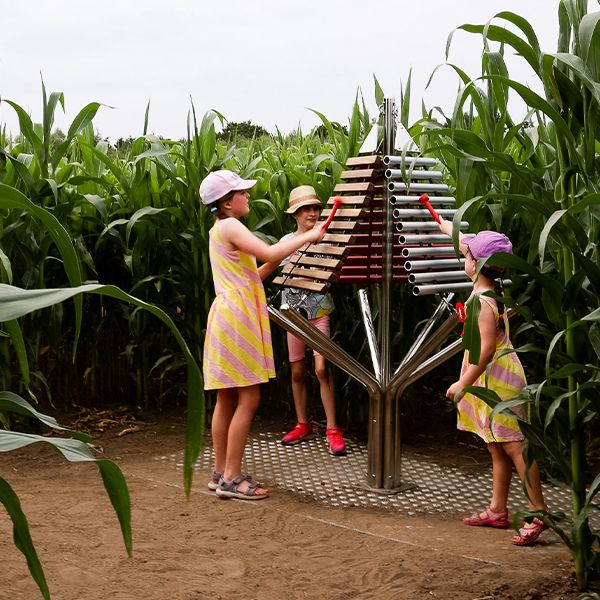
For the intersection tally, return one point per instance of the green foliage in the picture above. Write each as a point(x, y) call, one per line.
point(234, 132)
point(537, 180)
point(75, 210)
point(75, 449)
point(133, 219)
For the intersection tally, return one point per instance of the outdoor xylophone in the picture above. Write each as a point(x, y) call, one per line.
point(351, 251)
point(385, 232)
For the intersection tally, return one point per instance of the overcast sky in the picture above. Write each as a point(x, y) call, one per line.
point(266, 61)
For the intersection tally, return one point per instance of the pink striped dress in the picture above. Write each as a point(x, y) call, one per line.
point(237, 349)
point(506, 377)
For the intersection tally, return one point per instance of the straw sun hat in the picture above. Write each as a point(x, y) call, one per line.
point(303, 195)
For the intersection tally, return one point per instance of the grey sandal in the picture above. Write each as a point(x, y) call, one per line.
point(229, 489)
point(213, 484)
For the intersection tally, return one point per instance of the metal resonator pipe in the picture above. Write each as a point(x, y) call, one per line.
point(409, 161)
point(424, 226)
point(426, 252)
point(412, 175)
point(442, 263)
point(433, 200)
point(437, 277)
point(432, 238)
point(428, 290)
point(399, 213)
point(398, 186)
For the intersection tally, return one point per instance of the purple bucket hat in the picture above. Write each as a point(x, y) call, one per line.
point(487, 243)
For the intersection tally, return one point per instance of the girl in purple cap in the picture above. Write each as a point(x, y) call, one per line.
point(238, 355)
point(503, 373)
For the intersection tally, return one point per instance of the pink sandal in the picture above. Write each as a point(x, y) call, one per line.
point(490, 519)
point(528, 535)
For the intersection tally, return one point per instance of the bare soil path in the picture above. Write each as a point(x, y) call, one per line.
point(282, 547)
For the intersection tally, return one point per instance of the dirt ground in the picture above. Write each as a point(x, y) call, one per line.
point(282, 547)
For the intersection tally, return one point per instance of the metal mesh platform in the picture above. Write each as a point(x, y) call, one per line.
point(309, 470)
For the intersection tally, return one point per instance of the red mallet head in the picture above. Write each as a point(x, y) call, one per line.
point(424, 200)
point(337, 202)
point(461, 313)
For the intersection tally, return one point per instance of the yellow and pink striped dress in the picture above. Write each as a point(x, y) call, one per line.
point(506, 377)
point(237, 350)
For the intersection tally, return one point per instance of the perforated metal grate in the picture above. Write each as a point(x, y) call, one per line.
point(309, 470)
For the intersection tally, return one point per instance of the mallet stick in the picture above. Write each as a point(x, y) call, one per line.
point(337, 202)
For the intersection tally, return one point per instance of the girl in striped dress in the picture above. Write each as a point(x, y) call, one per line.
point(238, 355)
point(502, 373)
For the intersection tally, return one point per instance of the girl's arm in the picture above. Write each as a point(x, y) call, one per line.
point(446, 227)
point(487, 331)
point(239, 237)
point(266, 269)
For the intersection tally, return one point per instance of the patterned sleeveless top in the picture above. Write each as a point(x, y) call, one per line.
point(237, 350)
point(505, 376)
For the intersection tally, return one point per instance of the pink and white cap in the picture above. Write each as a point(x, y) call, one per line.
point(218, 184)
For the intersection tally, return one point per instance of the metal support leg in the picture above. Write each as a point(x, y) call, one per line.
point(375, 447)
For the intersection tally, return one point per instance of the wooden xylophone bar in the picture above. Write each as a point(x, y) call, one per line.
point(351, 251)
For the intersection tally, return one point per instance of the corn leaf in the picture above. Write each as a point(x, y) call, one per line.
point(471, 336)
point(10, 402)
point(11, 198)
point(77, 451)
point(21, 535)
point(16, 302)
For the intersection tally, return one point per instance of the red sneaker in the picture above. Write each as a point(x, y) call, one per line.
point(302, 431)
point(336, 441)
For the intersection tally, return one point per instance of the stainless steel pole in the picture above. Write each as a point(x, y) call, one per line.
point(391, 440)
point(389, 124)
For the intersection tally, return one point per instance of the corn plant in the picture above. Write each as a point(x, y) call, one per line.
point(75, 448)
point(538, 180)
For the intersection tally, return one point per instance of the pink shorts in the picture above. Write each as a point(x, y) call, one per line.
point(297, 348)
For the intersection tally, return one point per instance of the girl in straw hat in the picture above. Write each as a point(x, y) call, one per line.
point(305, 207)
point(238, 355)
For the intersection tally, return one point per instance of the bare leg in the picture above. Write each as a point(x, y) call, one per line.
point(239, 428)
point(495, 514)
point(501, 476)
point(530, 477)
point(325, 377)
point(224, 408)
point(299, 390)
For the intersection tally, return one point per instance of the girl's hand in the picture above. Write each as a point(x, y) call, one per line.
point(445, 226)
point(315, 234)
point(454, 389)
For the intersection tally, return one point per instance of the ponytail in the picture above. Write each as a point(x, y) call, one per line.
point(499, 289)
